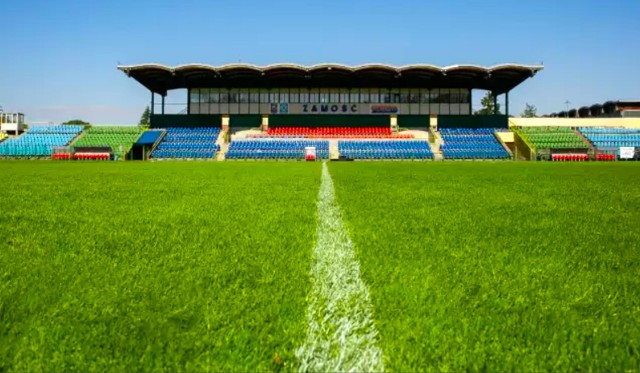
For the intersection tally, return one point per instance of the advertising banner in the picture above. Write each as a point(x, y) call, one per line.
point(627, 152)
point(385, 109)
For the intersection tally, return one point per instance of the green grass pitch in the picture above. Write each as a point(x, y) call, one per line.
point(524, 267)
point(153, 267)
point(204, 266)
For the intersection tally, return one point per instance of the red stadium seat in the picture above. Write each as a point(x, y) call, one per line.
point(334, 132)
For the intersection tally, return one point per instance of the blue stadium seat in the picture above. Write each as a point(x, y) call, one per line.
point(188, 143)
point(471, 143)
point(275, 149)
point(385, 149)
point(609, 140)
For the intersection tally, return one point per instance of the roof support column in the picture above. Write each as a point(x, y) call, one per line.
point(506, 103)
point(470, 101)
point(495, 103)
point(162, 104)
point(152, 103)
point(188, 100)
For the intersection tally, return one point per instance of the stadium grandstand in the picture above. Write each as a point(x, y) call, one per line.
point(337, 112)
point(372, 111)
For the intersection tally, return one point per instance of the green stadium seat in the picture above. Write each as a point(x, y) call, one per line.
point(119, 139)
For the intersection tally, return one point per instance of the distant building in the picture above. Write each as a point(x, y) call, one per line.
point(610, 109)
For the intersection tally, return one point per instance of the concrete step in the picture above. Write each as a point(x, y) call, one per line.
point(334, 153)
point(224, 147)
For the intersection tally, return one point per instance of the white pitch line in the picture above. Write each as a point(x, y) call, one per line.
point(341, 335)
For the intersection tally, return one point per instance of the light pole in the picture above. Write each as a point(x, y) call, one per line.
point(566, 103)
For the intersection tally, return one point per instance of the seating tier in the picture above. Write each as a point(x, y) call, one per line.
point(602, 137)
point(385, 149)
point(119, 139)
point(275, 149)
point(552, 138)
point(188, 143)
point(471, 143)
point(39, 141)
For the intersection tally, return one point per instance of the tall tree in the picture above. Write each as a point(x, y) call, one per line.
point(530, 111)
point(487, 105)
point(77, 122)
point(144, 119)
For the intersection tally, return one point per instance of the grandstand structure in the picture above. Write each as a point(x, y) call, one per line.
point(358, 109)
point(336, 112)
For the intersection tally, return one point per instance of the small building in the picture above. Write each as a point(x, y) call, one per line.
point(12, 123)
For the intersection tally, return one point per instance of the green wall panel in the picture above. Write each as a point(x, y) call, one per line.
point(415, 121)
point(245, 120)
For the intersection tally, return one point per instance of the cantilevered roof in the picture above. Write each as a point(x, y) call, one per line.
point(161, 78)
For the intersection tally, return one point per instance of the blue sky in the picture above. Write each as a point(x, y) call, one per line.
point(59, 57)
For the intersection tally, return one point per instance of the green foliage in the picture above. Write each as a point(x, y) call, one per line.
point(77, 122)
point(530, 111)
point(488, 107)
point(164, 266)
point(145, 118)
point(499, 267)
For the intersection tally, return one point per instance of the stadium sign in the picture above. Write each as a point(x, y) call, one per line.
point(384, 109)
point(332, 108)
point(286, 108)
point(329, 108)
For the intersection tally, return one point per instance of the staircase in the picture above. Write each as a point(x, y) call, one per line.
point(592, 148)
point(222, 153)
point(334, 153)
point(524, 150)
point(504, 144)
point(158, 141)
point(436, 146)
point(224, 146)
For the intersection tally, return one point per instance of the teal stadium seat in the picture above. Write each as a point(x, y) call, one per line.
point(39, 141)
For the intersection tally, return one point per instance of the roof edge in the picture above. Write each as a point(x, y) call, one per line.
point(263, 68)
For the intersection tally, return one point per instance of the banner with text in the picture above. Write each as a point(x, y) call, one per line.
point(291, 108)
